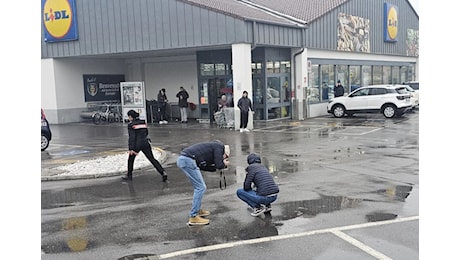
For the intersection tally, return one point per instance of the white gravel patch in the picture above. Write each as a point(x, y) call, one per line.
point(107, 164)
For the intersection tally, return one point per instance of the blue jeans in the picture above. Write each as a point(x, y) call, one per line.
point(254, 200)
point(191, 170)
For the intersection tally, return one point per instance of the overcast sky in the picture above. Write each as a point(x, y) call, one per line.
point(414, 4)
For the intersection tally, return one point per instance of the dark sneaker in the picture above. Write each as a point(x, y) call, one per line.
point(165, 177)
point(268, 208)
point(258, 211)
point(127, 178)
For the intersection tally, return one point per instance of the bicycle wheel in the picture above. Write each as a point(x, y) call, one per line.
point(97, 118)
point(117, 117)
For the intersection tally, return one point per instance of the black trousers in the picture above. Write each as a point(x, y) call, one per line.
point(162, 112)
point(147, 150)
point(244, 119)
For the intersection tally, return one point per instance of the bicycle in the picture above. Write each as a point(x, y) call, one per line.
point(108, 116)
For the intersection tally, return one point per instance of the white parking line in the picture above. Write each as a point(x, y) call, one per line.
point(336, 231)
point(360, 245)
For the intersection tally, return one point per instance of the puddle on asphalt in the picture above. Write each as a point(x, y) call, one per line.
point(399, 192)
point(380, 216)
point(311, 208)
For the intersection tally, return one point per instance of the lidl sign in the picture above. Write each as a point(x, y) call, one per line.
point(59, 20)
point(390, 27)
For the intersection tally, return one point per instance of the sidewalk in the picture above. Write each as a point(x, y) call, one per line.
point(101, 166)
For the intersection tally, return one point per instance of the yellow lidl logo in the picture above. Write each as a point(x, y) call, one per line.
point(391, 22)
point(59, 20)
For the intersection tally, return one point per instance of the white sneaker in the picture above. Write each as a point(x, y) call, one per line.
point(241, 130)
point(246, 130)
point(161, 122)
point(165, 122)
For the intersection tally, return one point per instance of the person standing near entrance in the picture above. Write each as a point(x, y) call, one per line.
point(338, 89)
point(244, 104)
point(183, 104)
point(162, 101)
point(138, 140)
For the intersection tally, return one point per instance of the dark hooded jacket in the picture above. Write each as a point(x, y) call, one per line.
point(138, 135)
point(209, 156)
point(258, 174)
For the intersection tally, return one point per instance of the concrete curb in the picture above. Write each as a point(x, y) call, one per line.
point(59, 175)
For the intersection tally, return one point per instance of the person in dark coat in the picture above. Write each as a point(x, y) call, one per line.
point(265, 190)
point(182, 95)
point(244, 104)
point(205, 156)
point(162, 101)
point(138, 140)
point(338, 89)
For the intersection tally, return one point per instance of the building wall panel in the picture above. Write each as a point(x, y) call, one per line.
point(322, 33)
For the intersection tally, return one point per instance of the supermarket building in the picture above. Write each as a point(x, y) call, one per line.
point(286, 54)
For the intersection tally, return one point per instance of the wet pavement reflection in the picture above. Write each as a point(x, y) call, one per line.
point(326, 170)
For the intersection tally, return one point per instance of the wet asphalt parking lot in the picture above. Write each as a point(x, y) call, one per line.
point(349, 189)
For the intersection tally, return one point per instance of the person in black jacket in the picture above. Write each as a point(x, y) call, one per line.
point(338, 89)
point(206, 156)
point(244, 104)
point(265, 189)
point(138, 140)
point(182, 95)
point(162, 102)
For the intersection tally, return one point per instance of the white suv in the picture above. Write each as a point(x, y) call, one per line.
point(390, 100)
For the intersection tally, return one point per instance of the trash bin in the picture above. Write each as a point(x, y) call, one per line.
point(152, 111)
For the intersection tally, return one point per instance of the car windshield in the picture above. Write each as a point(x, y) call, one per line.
point(401, 90)
point(413, 85)
point(409, 89)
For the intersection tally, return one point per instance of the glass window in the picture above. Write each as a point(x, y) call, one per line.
point(206, 69)
point(403, 74)
point(355, 77)
point(377, 75)
point(285, 66)
point(285, 89)
point(386, 74)
point(276, 67)
point(313, 84)
point(220, 69)
point(273, 90)
point(256, 68)
point(361, 92)
point(269, 66)
point(395, 75)
point(367, 75)
point(410, 73)
point(258, 88)
point(327, 77)
point(342, 75)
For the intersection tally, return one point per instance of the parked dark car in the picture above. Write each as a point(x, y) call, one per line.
point(46, 132)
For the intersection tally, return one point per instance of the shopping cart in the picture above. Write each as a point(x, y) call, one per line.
point(225, 118)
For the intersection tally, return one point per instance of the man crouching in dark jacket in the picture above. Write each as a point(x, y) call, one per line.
point(266, 190)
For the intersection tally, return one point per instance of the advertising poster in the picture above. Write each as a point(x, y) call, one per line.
point(102, 88)
point(133, 97)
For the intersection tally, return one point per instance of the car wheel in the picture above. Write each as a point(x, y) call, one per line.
point(389, 111)
point(338, 111)
point(97, 118)
point(45, 142)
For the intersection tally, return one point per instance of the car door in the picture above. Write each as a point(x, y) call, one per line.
point(376, 98)
point(358, 99)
